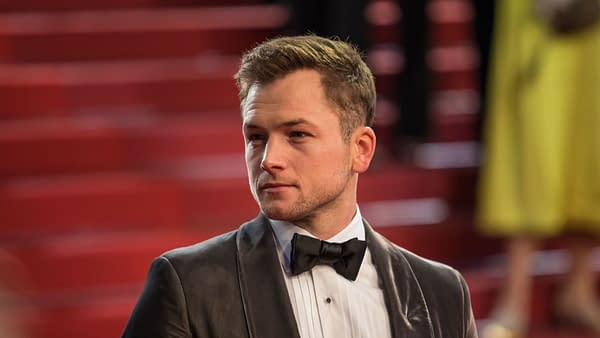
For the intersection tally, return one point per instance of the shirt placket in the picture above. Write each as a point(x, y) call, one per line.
point(327, 299)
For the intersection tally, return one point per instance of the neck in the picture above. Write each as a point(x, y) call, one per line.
point(327, 225)
point(332, 217)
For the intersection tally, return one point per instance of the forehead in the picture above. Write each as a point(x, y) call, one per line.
point(297, 95)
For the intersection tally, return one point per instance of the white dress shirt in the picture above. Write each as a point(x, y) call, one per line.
point(327, 305)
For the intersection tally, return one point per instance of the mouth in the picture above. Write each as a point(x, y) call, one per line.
point(274, 187)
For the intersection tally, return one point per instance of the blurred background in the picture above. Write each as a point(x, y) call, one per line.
point(120, 138)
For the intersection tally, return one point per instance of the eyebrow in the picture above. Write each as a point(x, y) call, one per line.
point(289, 123)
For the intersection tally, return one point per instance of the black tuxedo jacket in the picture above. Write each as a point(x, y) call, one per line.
point(232, 286)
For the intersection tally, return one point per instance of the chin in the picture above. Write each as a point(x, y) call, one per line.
point(277, 213)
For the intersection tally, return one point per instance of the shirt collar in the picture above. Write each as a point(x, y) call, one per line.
point(284, 231)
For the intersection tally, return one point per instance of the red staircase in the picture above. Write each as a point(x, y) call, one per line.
point(120, 139)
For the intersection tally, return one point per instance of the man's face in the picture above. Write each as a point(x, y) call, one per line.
point(298, 164)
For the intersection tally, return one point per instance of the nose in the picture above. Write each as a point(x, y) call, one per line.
point(273, 156)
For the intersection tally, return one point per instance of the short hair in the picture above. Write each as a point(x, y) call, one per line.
point(347, 81)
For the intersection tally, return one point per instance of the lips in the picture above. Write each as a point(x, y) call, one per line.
point(274, 186)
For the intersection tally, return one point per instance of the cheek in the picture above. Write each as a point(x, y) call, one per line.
point(252, 160)
point(331, 163)
point(337, 157)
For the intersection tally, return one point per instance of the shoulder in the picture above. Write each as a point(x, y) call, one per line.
point(442, 288)
point(181, 284)
point(197, 272)
point(217, 253)
point(425, 271)
point(429, 271)
point(431, 275)
point(446, 294)
point(209, 248)
point(440, 285)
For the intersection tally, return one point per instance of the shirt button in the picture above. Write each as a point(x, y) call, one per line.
point(328, 300)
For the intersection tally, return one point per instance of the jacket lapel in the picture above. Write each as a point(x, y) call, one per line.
point(265, 298)
point(409, 317)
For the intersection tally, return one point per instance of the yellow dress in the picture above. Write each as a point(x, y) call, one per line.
point(541, 163)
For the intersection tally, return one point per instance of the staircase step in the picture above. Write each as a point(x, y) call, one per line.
point(453, 128)
point(451, 22)
point(100, 143)
point(185, 85)
point(452, 240)
point(106, 314)
point(34, 206)
point(136, 33)
point(85, 261)
point(78, 5)
point(48, 147)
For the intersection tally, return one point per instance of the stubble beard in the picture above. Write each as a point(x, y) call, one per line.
point(305, 208)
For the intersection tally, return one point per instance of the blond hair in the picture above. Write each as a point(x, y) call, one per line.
point(347, 81)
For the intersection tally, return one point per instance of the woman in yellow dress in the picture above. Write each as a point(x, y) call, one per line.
point(541, 169)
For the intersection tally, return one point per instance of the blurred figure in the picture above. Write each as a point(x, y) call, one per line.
point(414, 83)
point(483, 27)
point(541, 170)
point(329, 18)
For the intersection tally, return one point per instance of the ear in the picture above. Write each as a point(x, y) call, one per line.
point(363, 148)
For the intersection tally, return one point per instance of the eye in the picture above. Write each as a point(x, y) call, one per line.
point(298, 134)
point(256, 138)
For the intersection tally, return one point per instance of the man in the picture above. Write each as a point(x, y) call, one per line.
point(307, 106)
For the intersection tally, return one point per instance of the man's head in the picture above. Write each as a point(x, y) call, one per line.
point(306, 106)
point(346, 79)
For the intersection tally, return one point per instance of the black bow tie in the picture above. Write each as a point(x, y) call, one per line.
point(345, 257)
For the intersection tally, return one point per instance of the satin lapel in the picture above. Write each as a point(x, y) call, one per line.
point(409, 317)
point(264, 294)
